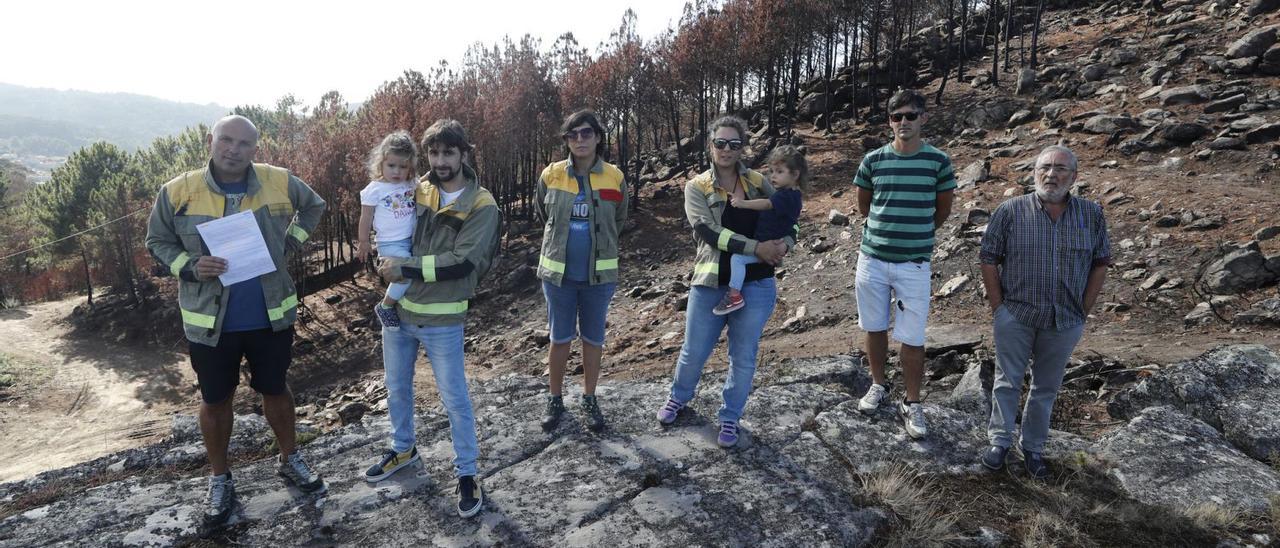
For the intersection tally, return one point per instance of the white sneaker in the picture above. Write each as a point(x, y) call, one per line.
point(871, 401)
point(913, 420)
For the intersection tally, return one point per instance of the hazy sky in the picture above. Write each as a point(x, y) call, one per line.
point(234, 52)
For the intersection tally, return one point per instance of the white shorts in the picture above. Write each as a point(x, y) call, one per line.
point(909, 302)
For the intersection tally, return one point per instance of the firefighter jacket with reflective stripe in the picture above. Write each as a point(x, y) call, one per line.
point(607, 204)
point(453, 247)
point(287, 210)
point(704, 204)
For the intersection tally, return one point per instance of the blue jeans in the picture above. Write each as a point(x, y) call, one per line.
point(738, 269)
point(702, 330)
point(1047, 350)
point(444, 351)
point(575, 306)
point(398, 248)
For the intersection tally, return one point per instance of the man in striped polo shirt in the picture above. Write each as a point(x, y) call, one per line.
point(905, 189)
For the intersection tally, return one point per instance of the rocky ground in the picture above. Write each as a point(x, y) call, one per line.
point(1176, 118)
point(811, 470)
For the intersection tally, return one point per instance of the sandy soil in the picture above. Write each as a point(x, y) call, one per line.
point(76, 400)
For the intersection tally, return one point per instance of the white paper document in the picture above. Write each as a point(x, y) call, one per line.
point(237, 239)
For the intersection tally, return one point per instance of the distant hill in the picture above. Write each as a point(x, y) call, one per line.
point(49, 122)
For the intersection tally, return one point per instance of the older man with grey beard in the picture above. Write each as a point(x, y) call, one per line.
point(1044, 257)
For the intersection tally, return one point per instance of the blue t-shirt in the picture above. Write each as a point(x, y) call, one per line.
point(780, 221)
point(577, 259)
point(246, 306)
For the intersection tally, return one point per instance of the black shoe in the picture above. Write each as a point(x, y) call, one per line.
point(555, 408)
point(993, 457)
point(1034, 463)
point(470, 496)
point(595, 419)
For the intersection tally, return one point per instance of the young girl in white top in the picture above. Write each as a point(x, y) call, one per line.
point(387, 206)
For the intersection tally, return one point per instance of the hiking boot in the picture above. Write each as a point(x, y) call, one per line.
point(667, 414)
point(555, 408)
point(913, 419)
point(296, 472)
point(1034, 463)
point(390, 463)
point(470, 496)
point(221, 500)
point(872, 399)
point(595, 419)
point(993, 457)
point(388, 316)
point(728, 434)
point(732, 301)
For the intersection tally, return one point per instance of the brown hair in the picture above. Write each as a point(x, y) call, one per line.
point(791, 157)
point(907, 97)
point(447, 132)
point(400, 143)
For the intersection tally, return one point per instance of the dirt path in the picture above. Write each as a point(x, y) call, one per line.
point(74, 400)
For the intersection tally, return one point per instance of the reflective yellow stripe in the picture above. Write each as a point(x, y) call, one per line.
point(723, 242)
point(434, 308)
point(707, 268)
point(199, 320)
point(552, 265)
point(277, 313)
point(607, 264)
point(178, 263)
point(298, 233)
point(429, 268)
point(796, 227)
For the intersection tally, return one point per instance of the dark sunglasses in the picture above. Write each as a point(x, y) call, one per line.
point(733, 144)
point(910, 116)
point(579, 134)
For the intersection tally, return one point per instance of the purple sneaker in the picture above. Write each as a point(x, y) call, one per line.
point(388, 316)
point(728, 434)
point(667, 414)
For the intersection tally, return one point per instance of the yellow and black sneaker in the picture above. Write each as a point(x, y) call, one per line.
point(391, 461)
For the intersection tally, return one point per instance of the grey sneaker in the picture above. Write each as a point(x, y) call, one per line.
point(872, 399)
point(221, 501)
point(913, 420)
point(296, 472)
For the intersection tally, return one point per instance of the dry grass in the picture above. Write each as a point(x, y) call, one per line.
point(920, 507)
point(1274, 514)
point(1213, 516)
point(1051, 529)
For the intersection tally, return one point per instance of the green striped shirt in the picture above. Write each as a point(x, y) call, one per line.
point(904, 191)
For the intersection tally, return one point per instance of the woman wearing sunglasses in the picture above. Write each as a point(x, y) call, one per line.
point(719, 229)
point(583, 203)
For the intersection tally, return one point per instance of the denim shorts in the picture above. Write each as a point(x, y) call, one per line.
point(574, 306)
point(901, 289)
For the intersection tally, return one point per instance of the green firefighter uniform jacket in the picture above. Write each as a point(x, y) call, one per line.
point(287, 210)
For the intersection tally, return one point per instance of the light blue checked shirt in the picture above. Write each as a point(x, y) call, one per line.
point(1044, 265)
